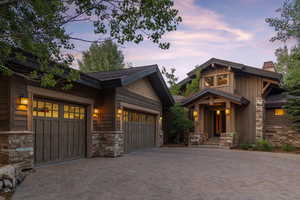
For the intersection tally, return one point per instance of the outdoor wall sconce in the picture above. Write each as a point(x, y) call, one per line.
point(218, 112)
point(120, 111)
point(195, 114)
point(22, 103)
point(96, 112)
point(227, 111)
point(160, 118)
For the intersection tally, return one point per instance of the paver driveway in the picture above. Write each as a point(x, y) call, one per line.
point(169, 174)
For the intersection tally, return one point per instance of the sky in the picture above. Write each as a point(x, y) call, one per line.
point(233, 30)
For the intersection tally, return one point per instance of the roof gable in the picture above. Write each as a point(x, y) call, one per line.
point(124, 77)
point(238, 67)
point(234, 98)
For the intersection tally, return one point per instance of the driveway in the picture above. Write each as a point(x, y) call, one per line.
point(169, 174)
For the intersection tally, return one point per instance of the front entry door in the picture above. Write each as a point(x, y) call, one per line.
point(220, 123)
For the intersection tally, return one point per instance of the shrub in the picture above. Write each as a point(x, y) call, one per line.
point(264, 145)
point(288, 147)
point(244, 146)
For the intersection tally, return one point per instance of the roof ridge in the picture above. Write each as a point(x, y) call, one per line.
point(124, 69)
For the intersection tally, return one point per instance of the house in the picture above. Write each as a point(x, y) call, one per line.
point(237, 104)
point(104, 114)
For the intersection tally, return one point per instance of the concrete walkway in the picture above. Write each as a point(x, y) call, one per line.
point(169, 174)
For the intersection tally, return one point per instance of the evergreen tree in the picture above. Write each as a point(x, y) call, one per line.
point(172, 81)
point(287, 27)
point(102, 57)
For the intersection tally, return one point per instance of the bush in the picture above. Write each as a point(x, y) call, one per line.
point(245, 146)
point(264, 145)
point(288, 147)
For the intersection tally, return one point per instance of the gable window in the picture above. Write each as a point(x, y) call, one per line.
point(279, 112)
point(222, 79)
point(209, 81)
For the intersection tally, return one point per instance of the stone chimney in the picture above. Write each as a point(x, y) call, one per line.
point(269, 66)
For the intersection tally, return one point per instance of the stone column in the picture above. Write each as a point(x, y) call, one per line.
point(16, 148)
point(259, 118)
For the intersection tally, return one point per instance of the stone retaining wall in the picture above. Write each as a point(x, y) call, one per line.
point(259, 118)
point(279, 135)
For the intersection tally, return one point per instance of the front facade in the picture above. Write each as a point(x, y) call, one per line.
point(233, 105)
point(104, 114)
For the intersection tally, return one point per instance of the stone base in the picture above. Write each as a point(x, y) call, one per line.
point(227, 140)
point(280, 135)
point(17, 148)
point(197, 139)
point(107, 143)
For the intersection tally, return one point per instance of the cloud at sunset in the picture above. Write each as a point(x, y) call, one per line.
point(231, 29)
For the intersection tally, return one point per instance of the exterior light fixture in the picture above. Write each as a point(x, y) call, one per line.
point(22, 103)
point(120, 111)
point(227, 111)
point(160, 118)
point(96, 113)
point(218, 112)
point(195, 114)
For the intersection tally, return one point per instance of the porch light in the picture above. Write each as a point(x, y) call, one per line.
point(120, 111)
point(227, 111)
point(22, 103)
point(218, 112)
point(96, 113)
point(195, 114)
point(160, 118)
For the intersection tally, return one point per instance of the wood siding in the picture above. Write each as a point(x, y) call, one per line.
point(249, 87)
point(143, 87)
point(4, 103)
point(106, 103)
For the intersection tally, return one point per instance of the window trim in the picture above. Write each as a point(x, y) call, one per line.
point(215, 80)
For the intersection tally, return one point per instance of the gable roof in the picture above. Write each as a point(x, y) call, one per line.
point(235, 98)
point(123, 77)
point(239, 67)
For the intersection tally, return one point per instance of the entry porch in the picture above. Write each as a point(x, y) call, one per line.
point(215, 118)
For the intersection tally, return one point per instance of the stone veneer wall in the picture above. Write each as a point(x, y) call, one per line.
point(228, 140)
point(107, 143)
point(259, 118)
point(17, 148)
point(278, 130)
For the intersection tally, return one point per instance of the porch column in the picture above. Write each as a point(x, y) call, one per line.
point(227, 139)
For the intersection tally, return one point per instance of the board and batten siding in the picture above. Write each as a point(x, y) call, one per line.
point(249, 87)
point(4, 103)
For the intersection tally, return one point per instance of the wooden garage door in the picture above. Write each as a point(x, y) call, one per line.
point(139, 130)
point(60, 131)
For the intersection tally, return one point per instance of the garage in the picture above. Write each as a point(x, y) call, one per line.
point(60, 131)
point(139, 129)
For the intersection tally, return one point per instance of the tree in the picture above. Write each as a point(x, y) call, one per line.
point(287, 27)
point(194, 86)
point(172, 80)
point(102, 57)
point(179, 123)
point(38, 27)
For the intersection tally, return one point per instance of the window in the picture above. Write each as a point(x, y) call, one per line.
point(209, 81)
point(279, 112)
point(222, 79)
point(45, 109)
point(73, 112)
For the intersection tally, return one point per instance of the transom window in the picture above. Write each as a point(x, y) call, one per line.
point(279, 112)
point(45, 109)
point(73, 112)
